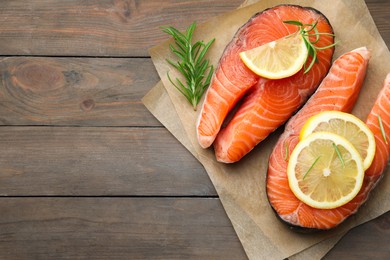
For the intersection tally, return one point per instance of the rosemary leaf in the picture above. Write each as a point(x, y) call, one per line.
point(382, 128)
point(311, 167)
point(338, 154)
point(286, 151)
point(312, 30)
point(327, 47)
point(195, 49)
point(192, 65)
point(202, 68)
point(190, 30)
point(312, 26)
point(205, 49)
point(316, 34)
point(327, 34)
point(208, 79)
point(178, 54)
point(313, 60)
point(177, 87)
point(293, 22)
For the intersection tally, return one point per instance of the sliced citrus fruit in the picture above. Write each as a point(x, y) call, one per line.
point(278, 59)
point(346, 125)
point(325, 171)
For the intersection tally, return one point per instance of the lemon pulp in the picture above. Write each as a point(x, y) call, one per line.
point(277, 59)
point(325, 170)
point(346, 125)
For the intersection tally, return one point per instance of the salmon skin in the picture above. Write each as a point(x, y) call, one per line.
point(338, 91)
point(270, 102)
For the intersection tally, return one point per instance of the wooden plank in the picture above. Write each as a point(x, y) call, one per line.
point(379, 10)
point(144, 228)
point(368, 241)
point(103, 161)
point(116, 228)
point(96, 27)
point(75, 91)
point(111, 28)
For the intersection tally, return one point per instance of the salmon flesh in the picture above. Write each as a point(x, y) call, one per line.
point(267, 103)
point(338, 91)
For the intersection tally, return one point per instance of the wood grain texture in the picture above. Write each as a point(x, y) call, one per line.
point(379, 10)
point(144, 228)
point(46, 161)
point(96, 27)
point(366, 242)
point(116, 228)
point(111, 28)
point(136, 175)
point(75, 91)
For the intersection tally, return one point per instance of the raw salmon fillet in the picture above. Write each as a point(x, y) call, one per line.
point(271, 102)
point(381, 109)
point(338, 91)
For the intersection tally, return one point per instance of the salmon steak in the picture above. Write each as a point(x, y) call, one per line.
point(338, 92)
point(267, 103)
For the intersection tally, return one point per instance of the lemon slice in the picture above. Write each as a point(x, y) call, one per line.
point(325, 171)
point(346, 125)
point(278, 59)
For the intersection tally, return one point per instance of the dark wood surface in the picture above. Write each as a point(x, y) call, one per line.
point(85, 170)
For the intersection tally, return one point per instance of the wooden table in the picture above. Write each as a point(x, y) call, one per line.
point(85, 170)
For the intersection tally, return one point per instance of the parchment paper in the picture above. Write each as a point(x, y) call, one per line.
point(241, 186)
point(161, 106)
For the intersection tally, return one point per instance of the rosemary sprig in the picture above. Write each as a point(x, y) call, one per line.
point(195, 69)
point(286, 151)
point(308, 30)
point(338, 154)
point(382, 128)
point(311, 167)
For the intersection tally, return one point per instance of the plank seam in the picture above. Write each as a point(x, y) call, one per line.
point(114, 196)
point(70, 56)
